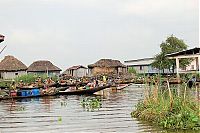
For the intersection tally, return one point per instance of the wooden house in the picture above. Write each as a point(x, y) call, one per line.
point(76, 71)
point(11, 67)
point(193, 54)
point(143, 66)
point(108, 67)
point(43, 67)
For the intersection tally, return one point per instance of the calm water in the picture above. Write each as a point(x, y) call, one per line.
point(65, 114)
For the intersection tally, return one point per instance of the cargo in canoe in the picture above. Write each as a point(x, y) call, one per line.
point(83, 91)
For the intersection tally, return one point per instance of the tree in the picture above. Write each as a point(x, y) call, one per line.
point(171, 45)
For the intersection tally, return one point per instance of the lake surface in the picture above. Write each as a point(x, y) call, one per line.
point(65, 114)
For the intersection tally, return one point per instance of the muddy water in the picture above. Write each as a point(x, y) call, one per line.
point(65, 114)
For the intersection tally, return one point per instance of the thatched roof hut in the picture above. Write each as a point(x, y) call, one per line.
point(10, 63)
point(107, 66)
point(1, 38)
point(42, 66)
point(109, 63)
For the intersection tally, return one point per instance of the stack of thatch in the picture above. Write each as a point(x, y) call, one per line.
point(42, 66)
point(107, 63)
point(10, 63)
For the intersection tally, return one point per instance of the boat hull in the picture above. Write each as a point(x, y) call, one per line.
point(83, 92)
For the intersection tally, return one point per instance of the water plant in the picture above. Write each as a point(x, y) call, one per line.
point(168, 109)
point(21, 108)
point(63, 103)
point(91, 104)
point(59, 119)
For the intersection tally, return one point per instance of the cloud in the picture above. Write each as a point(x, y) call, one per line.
point(70, 32)
point(159, 7)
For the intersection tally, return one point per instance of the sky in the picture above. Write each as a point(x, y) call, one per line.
point(73, 32)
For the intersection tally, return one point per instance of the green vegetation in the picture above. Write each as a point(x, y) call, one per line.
point(30, 78)
point(132, 70)
point(21, 108)
point(169, 108)
point(171, 45)
point(5, 83)
point(59, 119)
point(63, 103)
point(91, 104)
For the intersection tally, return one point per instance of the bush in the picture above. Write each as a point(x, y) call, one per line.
point(30, 78)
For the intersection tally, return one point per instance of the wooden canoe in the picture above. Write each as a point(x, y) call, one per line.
point(84, 91)
point(73, 92)
point(41, 94)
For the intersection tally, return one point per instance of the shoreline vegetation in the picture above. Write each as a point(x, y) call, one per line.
point(169, 107)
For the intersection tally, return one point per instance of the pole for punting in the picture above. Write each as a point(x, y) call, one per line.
point(3, 49)
point(47, 72)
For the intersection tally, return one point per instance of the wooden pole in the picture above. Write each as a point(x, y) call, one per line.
point(177, 67)
point(199, 63)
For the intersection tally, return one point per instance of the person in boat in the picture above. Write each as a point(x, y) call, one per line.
point(49, 81)
point(21, 83)
point(32, 84)
point(191, 82)
point(104, 79)
point(13, 85)
point(71, 81)
point(89, 86)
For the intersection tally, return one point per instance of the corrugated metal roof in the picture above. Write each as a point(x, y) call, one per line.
point(139, 62)
point(185, 52)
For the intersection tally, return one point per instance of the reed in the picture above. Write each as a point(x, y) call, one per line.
point(169, 110)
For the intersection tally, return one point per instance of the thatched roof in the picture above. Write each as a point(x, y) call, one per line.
point(76, 67)
point(107, 63)
point(42, 66)
point(10, 63)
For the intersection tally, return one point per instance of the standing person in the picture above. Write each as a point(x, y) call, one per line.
point(48, 81)
point(104, 79)
point(39, 81)
point(97, 83)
